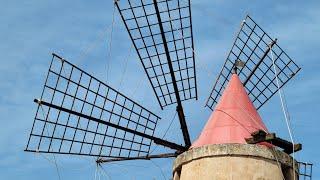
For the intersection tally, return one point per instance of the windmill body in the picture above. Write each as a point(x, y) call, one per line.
point(221, 151)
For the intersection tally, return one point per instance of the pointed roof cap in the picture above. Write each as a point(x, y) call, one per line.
point(233, 119)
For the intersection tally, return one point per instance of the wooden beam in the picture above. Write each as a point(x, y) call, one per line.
point(261, 136)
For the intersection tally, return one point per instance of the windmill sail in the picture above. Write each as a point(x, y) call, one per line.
point(161, 31)
point(305, 170)
point(251, 47)
point(78, 114)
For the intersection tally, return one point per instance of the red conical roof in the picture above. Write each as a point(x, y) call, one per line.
point(233, 119)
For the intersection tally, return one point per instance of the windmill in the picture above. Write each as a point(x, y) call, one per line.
point(78, 114)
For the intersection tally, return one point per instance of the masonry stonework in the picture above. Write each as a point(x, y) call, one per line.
point(233, 161)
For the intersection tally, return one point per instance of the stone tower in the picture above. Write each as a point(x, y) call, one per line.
point(221, 151)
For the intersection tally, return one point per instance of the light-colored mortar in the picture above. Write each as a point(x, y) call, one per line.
point(233, 161)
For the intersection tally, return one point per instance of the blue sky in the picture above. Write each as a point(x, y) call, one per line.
point(32, 30)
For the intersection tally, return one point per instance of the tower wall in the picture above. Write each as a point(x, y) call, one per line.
point(233, 161)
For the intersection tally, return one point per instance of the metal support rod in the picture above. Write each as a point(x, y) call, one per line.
point(155, 139)
point(262, 58)
point(180, 112)
point(102, 160)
